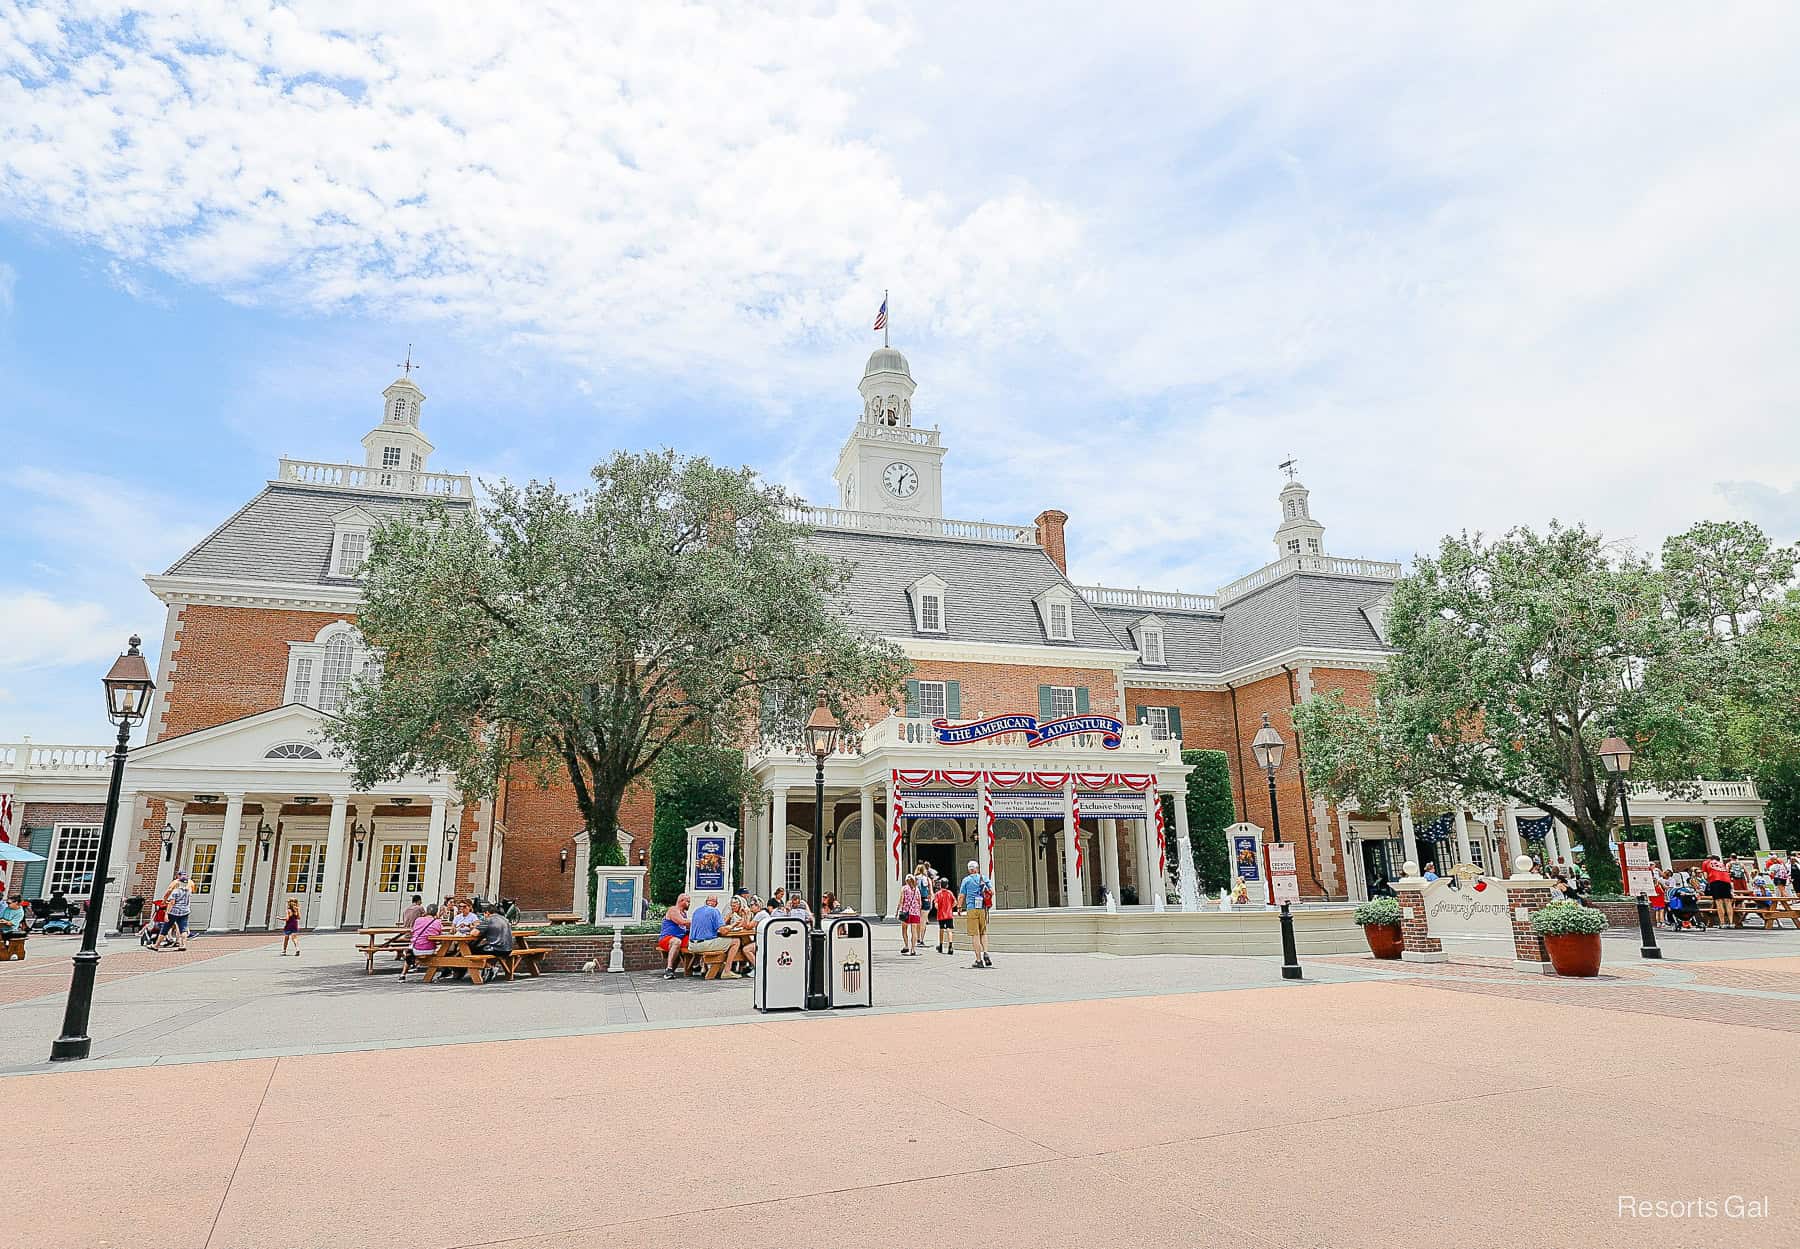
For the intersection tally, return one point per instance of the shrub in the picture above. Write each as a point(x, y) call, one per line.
point(1563, 919)
point(1378, 911)
point(694, 783)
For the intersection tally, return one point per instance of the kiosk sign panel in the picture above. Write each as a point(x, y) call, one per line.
point(1284, 877)
point(709, 848)
point(1244, 858)
point(618, 900)
point(1636, 863)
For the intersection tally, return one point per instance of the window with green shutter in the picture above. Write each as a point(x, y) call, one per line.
point(1081, 700)
point(953, 699)
point(912, 698)
point(31, 880)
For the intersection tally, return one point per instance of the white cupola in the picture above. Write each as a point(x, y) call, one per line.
point(888, 465)
point(1299, 533)
point(397, 446)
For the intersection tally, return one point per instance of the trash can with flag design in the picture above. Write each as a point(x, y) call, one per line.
point(849, 961)
point(778, 981)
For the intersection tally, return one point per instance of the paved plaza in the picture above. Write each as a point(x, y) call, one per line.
point(1084, 1099)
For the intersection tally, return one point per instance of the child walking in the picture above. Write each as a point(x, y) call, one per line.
point(290, 928)
point(943, 905)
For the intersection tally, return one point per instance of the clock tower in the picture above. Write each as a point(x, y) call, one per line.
point(887, 465)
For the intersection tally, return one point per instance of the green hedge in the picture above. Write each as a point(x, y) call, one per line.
point(1210, 811)
point(693, 783)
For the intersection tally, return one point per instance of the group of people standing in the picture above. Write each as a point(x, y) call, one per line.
point(925, 893)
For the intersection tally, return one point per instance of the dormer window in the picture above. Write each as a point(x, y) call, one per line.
point(1150, 641)
point(927, 594)
point(350, 542)
point(1056, 612)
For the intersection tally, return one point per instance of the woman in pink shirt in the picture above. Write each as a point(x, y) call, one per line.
point(424, 928)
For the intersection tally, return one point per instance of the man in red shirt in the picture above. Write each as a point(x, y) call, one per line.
point(1718, 877)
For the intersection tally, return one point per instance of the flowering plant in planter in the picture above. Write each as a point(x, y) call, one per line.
point(1568, 919)
point(1378, 911)
point(1380, 920)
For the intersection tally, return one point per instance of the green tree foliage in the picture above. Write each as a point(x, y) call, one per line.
point(694, 782)
point(1210, 810)
point(1513, 659)
point(1722, 574)
point(581, 635)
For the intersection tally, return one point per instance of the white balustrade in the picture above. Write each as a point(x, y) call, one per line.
point(1148, 600)
point(362, 477)
point(897, 433)
point(26, 758)
point(919, 526)
point(1330, 565)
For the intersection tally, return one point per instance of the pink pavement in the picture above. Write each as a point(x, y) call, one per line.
point(1361, 1114)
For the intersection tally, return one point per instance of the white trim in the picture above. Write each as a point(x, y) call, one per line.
point(1108, 660)
point(225, 592)
point(1350, 660)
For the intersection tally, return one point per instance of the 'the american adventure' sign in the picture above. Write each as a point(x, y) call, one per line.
point(1036, 734)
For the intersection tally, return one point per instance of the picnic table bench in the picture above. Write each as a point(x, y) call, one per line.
point(379, 939)
point(1740, 906)
point(456, 951)
point(563, 917)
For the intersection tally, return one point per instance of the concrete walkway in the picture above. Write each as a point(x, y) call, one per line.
point(1375, 1110)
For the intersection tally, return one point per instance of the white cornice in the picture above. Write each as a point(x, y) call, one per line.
point(1245, 674)
point(1014, 653)
point(225, 592)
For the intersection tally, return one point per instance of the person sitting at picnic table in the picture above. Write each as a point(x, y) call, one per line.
point(412, 912)
point(797, 909)
point(674, 936)
point(704, 935)
point(14, 919)
point(425, 926)
point(1762, 885)
point(778, 903)
point(465, 919)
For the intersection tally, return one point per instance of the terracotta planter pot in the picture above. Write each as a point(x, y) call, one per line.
point(1574, 953)
point(1384, 940)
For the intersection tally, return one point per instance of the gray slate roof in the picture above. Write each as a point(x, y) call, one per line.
point(285, 534)
point(989, 588)
point(1192, 641)
point(1301, 610)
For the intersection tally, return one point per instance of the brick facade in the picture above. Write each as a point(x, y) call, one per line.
point(232, 662)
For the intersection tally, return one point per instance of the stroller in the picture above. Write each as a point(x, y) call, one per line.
point(1684, 910)
point(55, 915)
point(152, 932)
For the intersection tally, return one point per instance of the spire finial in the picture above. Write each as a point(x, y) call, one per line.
point(407, 367)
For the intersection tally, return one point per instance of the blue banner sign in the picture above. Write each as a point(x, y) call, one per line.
point(1244, 851)
point(621, 899)
point(709, 864)
point(1036, 734)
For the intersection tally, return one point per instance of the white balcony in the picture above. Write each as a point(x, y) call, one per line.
point(318, 473)
point(28, 760)
point(1328, 565)
point(897, 433)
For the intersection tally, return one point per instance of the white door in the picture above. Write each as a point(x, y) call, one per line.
point(302, 879)
point(202, 856)
point(1012, 865)
point(399, 873)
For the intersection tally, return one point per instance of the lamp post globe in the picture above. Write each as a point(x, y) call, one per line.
point(821, 740)
point(128, 689)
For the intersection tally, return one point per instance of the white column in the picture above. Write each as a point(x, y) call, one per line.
point(778, 841)
point(1514, 848)
point(220, 919)
point(1109, 857)
point(582, 868)
point(1072, 893)
point(871, 836)
point(1155, 886)
point(1712, 836)
point(1184, 849)
point(126, 830)
point(1462, 837)
point(434, 853)
point(1762, 834)
point(1662, 842)
point(336, 861)
point(173, 814)
point(1409, 840)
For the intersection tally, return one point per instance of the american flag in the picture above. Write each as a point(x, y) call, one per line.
point(1534, 828)
point(1439, 829)
point(881, 317)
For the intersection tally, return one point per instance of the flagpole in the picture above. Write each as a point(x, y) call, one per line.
point(886, 319)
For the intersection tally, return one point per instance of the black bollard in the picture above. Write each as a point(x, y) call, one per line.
point(1290, 961)
point(1647, 929)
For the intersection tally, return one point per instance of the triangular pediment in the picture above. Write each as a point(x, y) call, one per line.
point(355, 517)
point(246, 740)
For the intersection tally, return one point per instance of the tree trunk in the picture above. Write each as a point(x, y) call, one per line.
point(1598, 858)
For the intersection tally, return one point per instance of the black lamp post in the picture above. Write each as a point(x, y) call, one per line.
point(821, 741)
point(1615, 757)
point(128, 688)
point(1268, 748)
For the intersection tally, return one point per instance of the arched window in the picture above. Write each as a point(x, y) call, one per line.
point(937, 829)
point(1006, 828)
point(334, 680)
point(320, 671)
point(293, 750)
point(399, 409)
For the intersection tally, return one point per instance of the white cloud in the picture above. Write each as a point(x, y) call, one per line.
point(1776, 510)
point(9, 279)
point(1474, 265)
point(38, 631)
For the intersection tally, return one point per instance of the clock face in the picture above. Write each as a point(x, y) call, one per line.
point(901, 480)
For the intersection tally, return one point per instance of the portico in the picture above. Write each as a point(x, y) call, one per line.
point(1052, 824)
point(258, 814)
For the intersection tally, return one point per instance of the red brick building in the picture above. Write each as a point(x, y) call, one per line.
point(261, 644)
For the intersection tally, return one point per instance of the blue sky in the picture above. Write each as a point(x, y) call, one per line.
point(1475, 268)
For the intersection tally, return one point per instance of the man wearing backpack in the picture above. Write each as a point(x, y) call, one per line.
point(977, 895)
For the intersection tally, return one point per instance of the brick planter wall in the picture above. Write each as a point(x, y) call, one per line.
point(1618, 914)
point(569, 953)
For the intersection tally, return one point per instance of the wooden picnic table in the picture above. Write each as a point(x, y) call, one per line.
point(378, 938)
point(1741, 905)
point(455, 950)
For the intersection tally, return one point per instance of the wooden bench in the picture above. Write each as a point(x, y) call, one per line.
point(1771, 909)
point(12, 946)
point(527, 957)
point(712, 962)
point(563, 917)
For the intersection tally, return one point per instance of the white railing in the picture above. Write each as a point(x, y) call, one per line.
point(1708, 791)
point(21, 759)
point(1331, 565)
point(361, 477)
point(898, 433)
point(919, 526)
point(1149, 600)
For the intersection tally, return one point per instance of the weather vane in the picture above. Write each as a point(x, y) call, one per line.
point(409, 366)
point(1290, 466)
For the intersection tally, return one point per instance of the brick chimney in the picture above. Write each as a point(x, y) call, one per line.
point(1050, 524)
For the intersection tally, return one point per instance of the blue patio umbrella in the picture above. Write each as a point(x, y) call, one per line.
point(10, 853)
